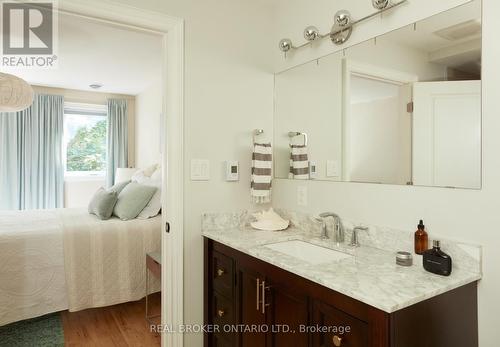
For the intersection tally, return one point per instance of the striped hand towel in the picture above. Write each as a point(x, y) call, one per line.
point(299, 162)
point(262, 163)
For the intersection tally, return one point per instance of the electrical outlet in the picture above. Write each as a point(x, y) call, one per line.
point(332, 168)
point(302, 196)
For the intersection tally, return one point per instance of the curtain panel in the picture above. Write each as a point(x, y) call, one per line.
point(31, 165)
point(117, 138)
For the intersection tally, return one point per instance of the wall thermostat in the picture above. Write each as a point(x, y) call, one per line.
point(232, 171)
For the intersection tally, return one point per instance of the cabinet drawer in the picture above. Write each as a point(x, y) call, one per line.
point(223, 274)
point(340, 329)
point(223, 312)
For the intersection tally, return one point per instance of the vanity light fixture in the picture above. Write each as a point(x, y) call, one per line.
point(285, 45)
point(380, 4)
point(311, 33)
point(342, 27)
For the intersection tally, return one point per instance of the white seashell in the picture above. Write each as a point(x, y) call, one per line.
point(269, 221)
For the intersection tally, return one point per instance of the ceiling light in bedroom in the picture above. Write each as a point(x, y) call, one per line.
point(95, 85)
point(15, 93)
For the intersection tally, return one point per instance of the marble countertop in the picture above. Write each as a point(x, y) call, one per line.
point(371, 276)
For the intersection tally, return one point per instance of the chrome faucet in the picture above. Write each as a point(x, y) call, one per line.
point(338, 228)
point(354, 239)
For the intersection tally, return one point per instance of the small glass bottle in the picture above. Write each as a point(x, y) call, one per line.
point(421, 238)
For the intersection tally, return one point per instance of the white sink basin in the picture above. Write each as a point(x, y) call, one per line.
point(308, 252)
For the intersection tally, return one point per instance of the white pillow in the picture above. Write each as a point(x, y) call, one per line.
point(139, 177)
point(150, 170)
point(154, 206)
point(144, 174)
point(156, 176)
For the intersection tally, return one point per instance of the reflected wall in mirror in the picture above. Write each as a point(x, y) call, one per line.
point(404, 108)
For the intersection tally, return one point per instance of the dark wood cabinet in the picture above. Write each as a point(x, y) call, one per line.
point(289, 315)
point(346, 330)
point(256, 304)
point(249, 308)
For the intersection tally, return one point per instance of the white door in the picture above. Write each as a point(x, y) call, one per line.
point(447, 134)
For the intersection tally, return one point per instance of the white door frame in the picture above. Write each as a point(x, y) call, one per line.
point(352, 67)
point(172, 31)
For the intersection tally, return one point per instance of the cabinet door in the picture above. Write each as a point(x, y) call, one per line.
point(337, 328)
point(249, 304)
point(288, 311)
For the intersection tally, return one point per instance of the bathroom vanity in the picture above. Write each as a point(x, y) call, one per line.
point(259, 293)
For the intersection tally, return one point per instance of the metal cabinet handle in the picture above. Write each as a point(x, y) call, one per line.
point(264, 288)
point(337, 341)
point(220, 272)
point(221, 313)
point(257, 293)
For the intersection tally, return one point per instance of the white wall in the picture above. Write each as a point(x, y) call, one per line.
point(374, 141)
point(308, 100)
point(470, 215)
point(228, 93)
point(148, 108)
point(79, 191)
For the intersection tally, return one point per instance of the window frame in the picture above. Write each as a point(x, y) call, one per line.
point(86, 109)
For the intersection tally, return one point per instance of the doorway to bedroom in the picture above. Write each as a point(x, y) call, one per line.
point(110, 98)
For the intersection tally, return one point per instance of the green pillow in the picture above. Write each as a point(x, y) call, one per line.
point(102, 203)
point(132, 200)
point(119, 187)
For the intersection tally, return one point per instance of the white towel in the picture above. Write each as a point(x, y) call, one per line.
point(262, 163)
point(299, 162)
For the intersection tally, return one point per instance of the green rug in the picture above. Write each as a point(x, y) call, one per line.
point(44, 331)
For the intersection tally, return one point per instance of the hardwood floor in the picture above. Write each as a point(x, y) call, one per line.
point(119, 325)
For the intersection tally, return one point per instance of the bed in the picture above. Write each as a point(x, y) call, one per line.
point(53, 260)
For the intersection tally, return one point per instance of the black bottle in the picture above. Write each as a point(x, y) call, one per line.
point(437, 261)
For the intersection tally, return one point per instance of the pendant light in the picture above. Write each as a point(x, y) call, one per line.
point(15, 93)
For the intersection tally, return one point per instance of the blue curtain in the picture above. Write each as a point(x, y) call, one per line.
point(117, 138)
point(31, 166)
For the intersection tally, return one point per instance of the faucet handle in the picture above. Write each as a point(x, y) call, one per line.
point(354, 239)
point(328, 214)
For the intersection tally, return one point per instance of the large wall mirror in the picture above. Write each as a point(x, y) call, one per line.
point(402, 108)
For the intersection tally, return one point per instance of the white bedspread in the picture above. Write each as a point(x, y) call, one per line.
point(105, 260)
point(52, 260)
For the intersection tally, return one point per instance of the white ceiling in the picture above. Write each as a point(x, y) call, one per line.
point(461, 52)
point(123, 60)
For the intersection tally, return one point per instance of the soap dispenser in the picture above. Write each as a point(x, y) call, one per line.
point(421, 239)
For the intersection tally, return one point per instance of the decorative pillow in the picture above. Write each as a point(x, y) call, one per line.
point(150, 170)
point(132, 200)
point(102, 203)
point(144, 173)
point(156, 176)
point(154, 205)
point(119, 187)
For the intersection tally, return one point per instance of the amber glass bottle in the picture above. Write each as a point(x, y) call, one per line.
point(421, 238)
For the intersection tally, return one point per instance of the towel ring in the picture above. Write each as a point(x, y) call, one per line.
point(256, 133)
point(292, 134)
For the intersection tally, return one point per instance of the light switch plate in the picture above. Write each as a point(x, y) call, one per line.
point(332, 168)
point(200, 170)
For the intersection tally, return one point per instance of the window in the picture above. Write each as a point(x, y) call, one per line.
point(85, 135)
